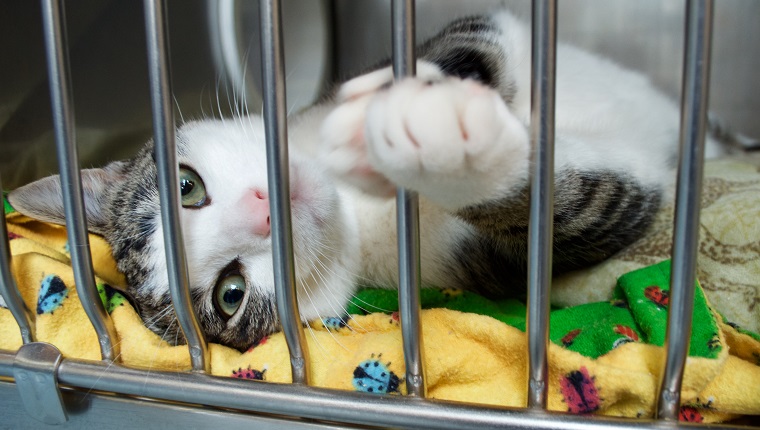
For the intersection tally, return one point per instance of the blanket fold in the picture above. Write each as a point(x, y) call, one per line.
point(605, 357)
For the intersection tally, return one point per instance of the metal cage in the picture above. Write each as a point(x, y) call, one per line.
point(72, 392)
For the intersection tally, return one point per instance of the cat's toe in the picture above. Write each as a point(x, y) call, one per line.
point(493, 135)
point(343, 149)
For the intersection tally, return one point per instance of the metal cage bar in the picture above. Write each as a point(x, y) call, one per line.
point(407, 217)
point(540, 227)
point(324, 404)
point(56, 50)
point(694, 102)
point(275, 126)
point(8, 289)
point(165, 150)
point(303, 401)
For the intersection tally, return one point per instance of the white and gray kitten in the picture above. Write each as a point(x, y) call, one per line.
point(457, 134)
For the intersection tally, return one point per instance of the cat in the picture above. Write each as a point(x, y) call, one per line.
point(457, 134)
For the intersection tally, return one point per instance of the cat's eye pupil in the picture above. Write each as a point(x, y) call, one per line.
point(228, 295)
point(233, 296)
point(186, 186)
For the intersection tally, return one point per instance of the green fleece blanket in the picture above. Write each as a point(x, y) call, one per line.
point(637, 314)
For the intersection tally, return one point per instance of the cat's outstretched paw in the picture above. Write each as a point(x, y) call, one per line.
point(454, 141)
point(343, 142)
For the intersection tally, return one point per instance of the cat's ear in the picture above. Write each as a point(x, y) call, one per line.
point(43, 199)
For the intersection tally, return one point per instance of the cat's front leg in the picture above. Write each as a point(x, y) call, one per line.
point(454, 141)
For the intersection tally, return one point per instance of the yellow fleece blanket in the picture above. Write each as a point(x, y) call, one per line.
point(469, 357)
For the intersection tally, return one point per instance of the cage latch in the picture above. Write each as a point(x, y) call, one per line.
point(35, 370)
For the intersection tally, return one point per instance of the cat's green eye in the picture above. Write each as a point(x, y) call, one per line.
point(228, 295)
point(191, 188)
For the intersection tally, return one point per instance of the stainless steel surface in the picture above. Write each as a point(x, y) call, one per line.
point(8, 289)
point(540, 227)
point(278, 176)
point(88, 410)
point(56, 50)
point(408, 217)
point(322, 404)
point(694, 104)
point(35, 370)
point(226, 33)
point(165, 150)
point(236, 42)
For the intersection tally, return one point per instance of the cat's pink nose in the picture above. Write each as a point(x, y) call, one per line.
point(256, 204)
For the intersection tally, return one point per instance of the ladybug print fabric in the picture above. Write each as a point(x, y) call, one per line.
point(579, 392)
point(52, 293)
point(373, 376)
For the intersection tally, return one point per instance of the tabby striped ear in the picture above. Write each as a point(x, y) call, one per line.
point(43, 199)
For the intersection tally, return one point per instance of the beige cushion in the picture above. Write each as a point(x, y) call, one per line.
point(729, 251)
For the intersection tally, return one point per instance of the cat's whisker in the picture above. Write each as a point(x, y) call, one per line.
point(107, 368)
point(374, 309)
point(356, 277)
point(166, 333)
point(320, 244)
point(152, 321)
point(239, 114)
point(234, 107)
point(179, 110)
point(244, 92)
point(316, 340)
point(345, 313)
point(242, 89)
point(211, 104)
point(330, 299)
point(352, 277)
point(218, 102)
point(232, 103)
point(305, 288)
point(176, 337)
point(293, 105)
point(299, 97)
point(158, 345)
point(210, 101)
point(321, 290)
point(250, 119)
point(200, 101)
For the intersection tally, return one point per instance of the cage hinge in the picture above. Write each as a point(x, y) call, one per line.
point(35, 370)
